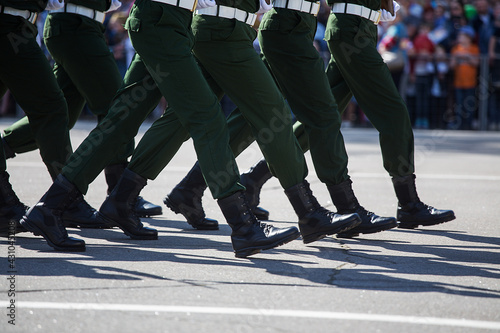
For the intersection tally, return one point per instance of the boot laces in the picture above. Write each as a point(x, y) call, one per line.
point(248, 211)
point(61, 227)
point(362, 210)
point(132, 210)
point(81, 201)
point(312, 202)
point(266, 228)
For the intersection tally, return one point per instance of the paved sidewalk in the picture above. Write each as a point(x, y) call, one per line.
point(444, 278)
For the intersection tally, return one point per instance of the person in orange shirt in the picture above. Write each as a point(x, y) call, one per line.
point(464, 61)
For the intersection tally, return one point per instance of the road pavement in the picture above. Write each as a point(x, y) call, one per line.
point(444, 278)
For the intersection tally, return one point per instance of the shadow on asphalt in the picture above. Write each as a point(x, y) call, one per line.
point(360, 263)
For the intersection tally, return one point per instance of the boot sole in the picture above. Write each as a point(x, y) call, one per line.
point(39, 232)
point(78, 225)
point(322, 234)
point(353, 233)
point(254, 250)
point(150, 212)
point(83, 226)
point(170, 204)
point(414, 225)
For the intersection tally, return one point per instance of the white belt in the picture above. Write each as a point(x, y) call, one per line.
point(81, 10)
point(350, 8)
point(26, 14)
point(299, 5)
point(229, 13)
point(186, 4)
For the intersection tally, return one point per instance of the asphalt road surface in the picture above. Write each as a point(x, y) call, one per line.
point(444, 278)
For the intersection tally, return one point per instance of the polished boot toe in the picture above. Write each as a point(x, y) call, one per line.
point(412, 212)
point(145, 208)
point(262, 236)
point(370, 223)
point(412, 215)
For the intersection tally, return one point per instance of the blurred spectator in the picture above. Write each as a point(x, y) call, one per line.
point(464, 61)
point(456, 21)
point(439, 88)
point(440, 29)
point(415, 9)
point(117, 39)
point(395, 40)
point(483, 24)
point(421, 73)
point(494, 59)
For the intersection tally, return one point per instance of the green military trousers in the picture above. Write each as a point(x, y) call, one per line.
point(224, 48)
point(24, 70)
point(164, 65)
point(356, 68)
point(85, 70)
point(286, 38)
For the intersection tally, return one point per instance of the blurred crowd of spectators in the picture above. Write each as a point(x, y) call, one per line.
point(435, 50)
point(440, 52)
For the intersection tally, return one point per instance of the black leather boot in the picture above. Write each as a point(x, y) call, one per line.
point(119, 207)
point(80, 214)
point(316, 222)
point(253, 180)
point(411, 211)
point(9, 153)
point(346, 202)
point(143, 207)
point(249, 236)
point(185, 199)
point(45, 218)
point(11, 208)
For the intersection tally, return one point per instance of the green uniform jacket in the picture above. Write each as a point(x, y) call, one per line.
point(31, 5)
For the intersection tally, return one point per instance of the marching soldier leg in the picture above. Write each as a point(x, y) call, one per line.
point(132, 104)
point(198, 111)
point(233, 63)
point(118, 128)
point(32, 83)
point(369, 79)
point(303, 82)
point(27, 73)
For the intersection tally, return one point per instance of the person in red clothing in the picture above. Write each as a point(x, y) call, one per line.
point(464, 61)
point(421, 73)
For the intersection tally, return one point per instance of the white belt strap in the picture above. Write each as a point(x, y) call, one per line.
point(81, 10)
point(299, 5)
point(26, 14)
point(350, 8)
point(229, 13)
point(186, 4)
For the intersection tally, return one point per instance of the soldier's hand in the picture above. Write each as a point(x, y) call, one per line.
point(54, 4)
point(265, 6)
point(386, 16)
point(205, 4)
